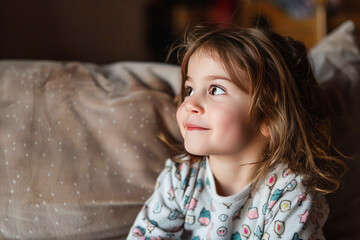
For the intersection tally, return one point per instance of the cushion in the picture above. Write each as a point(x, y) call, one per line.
point(79, 150)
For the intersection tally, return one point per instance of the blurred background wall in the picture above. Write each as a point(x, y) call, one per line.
point(142, 30)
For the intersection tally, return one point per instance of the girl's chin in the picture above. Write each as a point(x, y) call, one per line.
point(196, 151)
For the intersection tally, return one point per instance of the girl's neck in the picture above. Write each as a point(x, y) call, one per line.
point(231, 177)
point(234, 173)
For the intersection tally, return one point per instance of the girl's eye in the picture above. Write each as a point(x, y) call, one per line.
point(189, 91)
point(216, 90)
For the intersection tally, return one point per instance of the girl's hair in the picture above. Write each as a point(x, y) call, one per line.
point(276, 73)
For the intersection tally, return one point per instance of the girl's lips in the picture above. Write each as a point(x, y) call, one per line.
point(193, 127)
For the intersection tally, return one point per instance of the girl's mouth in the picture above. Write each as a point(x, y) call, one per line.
point(193, 127)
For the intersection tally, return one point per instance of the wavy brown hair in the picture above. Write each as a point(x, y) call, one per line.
point(284, 95)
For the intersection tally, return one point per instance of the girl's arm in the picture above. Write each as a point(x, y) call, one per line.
point(162, 215)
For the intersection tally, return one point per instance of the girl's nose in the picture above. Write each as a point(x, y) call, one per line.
point(193, 106)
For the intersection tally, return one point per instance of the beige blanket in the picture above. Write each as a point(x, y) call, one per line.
point(79, 151)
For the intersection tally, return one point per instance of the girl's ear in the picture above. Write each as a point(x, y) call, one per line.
point(265, 130)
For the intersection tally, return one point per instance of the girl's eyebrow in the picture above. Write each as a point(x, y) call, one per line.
point(217, 77)
point(211, 78)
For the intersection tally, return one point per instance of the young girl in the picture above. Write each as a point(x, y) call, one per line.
point(256, 162)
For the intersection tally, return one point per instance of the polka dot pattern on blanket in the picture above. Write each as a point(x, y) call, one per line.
point(79, 149)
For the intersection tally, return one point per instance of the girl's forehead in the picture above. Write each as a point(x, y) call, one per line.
point(203, 63)
point(222, 63)
point(206, 55)
point(208, 52)
point(217, 66)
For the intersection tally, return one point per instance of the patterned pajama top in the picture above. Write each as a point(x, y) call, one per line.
point(185, 205)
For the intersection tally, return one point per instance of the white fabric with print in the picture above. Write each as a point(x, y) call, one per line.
point(185, 205)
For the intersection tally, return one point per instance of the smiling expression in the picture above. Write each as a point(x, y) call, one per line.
point(213, 117)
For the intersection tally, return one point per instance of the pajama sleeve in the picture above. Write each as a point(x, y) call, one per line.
point(162, 216)
point(296, 215)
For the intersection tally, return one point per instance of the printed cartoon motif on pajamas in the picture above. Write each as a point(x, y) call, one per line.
point(138, 231)
point(253, 213)
point(199, 185)
point(186, 202)
point(236, 236)
point(151, 225)
point(258, 233)
point(205, 217)
point(190, 204)
point(174, 214)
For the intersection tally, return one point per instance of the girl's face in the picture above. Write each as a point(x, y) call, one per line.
point(213, 116)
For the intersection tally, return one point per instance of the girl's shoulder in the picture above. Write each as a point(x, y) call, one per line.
point(179, 179)
point(281, 183)
point(184, 164)
point(282, 177)
point(183, 170)
point(283, 198)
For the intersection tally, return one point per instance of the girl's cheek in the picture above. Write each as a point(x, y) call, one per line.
point(180, 116)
